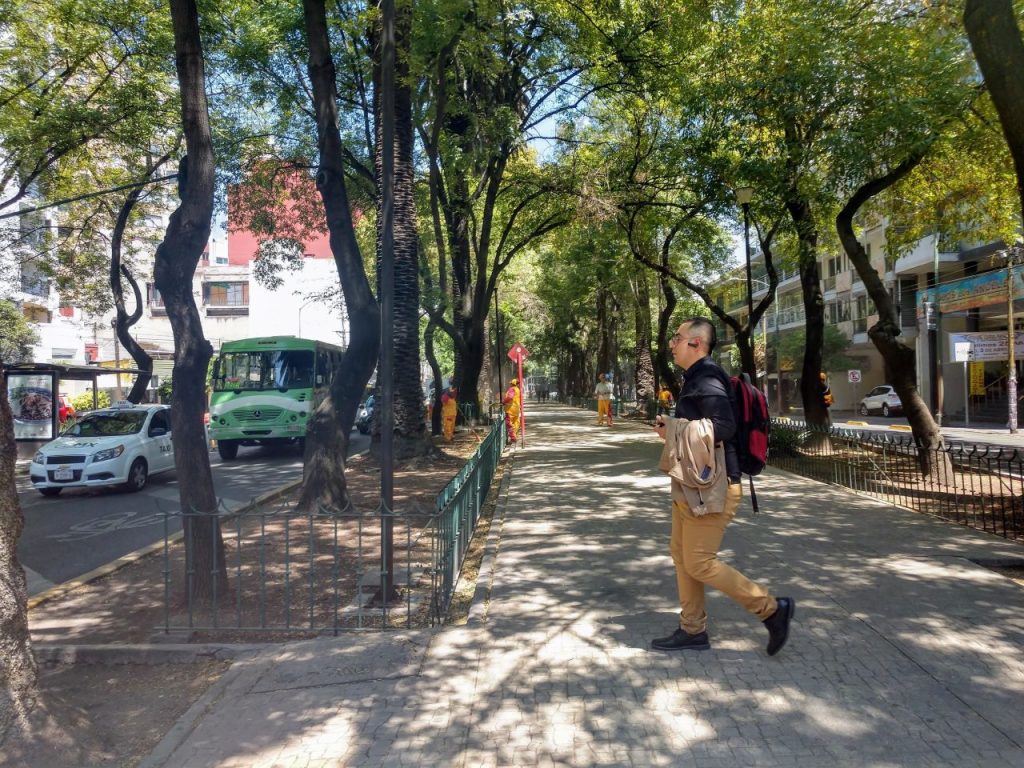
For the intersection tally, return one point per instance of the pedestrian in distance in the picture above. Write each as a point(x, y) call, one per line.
point(603, 393)
point(706, 400)
point(824, 390)
point(665, 401)
point(449, 411)
point(512, 403)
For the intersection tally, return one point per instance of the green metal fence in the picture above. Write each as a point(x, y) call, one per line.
point(308, 572)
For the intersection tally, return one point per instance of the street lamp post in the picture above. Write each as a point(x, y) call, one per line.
point(311, 301)
point(743, 196)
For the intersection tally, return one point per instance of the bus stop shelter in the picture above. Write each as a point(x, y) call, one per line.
point(33, 390)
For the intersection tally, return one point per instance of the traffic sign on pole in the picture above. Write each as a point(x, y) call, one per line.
point(518, 353)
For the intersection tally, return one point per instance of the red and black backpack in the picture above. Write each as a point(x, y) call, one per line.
point(752, 427)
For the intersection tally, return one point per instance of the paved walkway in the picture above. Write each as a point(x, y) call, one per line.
point(903, 652)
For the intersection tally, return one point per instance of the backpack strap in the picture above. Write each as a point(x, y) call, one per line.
point(753, 495)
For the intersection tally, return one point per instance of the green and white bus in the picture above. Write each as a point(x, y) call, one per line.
point(264, 390)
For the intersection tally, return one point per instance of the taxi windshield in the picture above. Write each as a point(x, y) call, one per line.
point(279, 369)
point(108, 423)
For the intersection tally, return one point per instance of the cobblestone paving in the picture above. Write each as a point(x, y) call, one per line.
point(903, 651)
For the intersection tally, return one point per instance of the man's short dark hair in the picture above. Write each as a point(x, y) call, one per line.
point(705, 329)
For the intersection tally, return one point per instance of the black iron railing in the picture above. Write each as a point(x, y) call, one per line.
point(979, 486)
point(287, 570)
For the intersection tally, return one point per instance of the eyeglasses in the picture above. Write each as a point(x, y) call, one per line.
point(676, 338)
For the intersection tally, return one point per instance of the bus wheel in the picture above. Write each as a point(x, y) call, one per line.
point(228, 449)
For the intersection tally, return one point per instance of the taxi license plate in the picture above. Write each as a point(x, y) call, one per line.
point(63, 473)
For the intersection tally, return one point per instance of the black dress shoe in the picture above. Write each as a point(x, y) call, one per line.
point(778, 624)
point(680, 640)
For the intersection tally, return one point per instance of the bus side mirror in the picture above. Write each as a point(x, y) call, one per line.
point(216, 370)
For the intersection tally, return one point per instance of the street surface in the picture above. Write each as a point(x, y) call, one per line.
point(82, 529)
point(981, 434)
point(994, 435)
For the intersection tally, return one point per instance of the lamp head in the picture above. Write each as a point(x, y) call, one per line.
point(744, 195)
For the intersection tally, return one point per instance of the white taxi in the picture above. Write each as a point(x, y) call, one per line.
point(122, 445)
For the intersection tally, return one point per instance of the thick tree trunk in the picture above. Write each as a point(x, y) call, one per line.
point(815, 411)
point(123, 323)
point(122, 320)
point(663, 355)
point(900, 360)
point(643, 377)
point(435, 370)
point(467, 367)
point(410, 431)
point(18, 671)
point(175, 265)
point(605, 360)
point(745, 346)
point(995, 36)
point(329, 426)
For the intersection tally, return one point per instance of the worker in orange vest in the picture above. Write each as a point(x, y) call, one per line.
point(512, 401)
point(449, 410)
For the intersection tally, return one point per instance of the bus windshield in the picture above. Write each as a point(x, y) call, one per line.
point(279, 369)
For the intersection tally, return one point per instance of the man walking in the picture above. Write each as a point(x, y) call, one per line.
point(706, 394)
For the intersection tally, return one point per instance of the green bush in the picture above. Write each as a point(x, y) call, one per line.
point(83, 402)
point(165, 389)
point(784, 441)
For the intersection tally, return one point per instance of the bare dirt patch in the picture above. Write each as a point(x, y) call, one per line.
point(95, 715)
point(115, 715)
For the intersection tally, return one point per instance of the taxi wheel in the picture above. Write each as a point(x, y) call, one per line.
point(885, 409)
point(863, 410)
point(137, 476)
point(50, 491)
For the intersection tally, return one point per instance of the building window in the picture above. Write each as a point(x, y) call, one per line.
point(226, 294)
point(154, 297)
point(35, 285)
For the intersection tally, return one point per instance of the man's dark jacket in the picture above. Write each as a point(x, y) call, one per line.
point(707, 394)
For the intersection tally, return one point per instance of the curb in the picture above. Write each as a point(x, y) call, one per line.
point(65, 587)
point(187, 723)
point(900, 428)
point(141, 653)
point(485, 576)
point(857, 423)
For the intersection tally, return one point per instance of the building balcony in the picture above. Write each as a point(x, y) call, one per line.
point(921, 259)
point(226, 311)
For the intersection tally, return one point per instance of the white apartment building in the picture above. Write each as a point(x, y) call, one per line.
point(979, 392)
point(231, 303)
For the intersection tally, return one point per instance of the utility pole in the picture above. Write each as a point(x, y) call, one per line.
point(388, 593)
point(1011, 379)
point(118, 392)
point(936, 336)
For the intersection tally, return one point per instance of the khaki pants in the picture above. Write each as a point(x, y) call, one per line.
point(694, 547)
